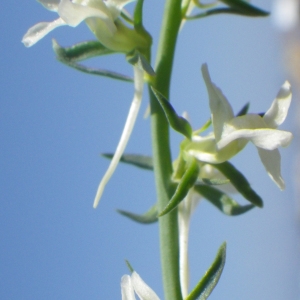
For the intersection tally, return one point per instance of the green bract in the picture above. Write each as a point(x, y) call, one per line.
point(102, 17)
point(231, 134)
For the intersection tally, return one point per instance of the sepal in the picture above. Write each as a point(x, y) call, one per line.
point(208, 282)
point(178, 123)
point(148, 217)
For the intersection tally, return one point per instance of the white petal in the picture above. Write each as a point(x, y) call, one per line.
point(128, 127)
point(271, 161)
point(116, 6)
point(50, 4)
point(253, 128)
point(142, 289)
point(127, 288)
point(221, 110)
point(38, 31)
point(280, 106)
point(73, 14)
point(268, 139)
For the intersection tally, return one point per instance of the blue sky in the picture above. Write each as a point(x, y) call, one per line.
point(55, 122)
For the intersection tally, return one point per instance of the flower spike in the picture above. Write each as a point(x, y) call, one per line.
point(128, 127)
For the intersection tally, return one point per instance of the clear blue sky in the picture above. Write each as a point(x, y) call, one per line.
point(55, 122)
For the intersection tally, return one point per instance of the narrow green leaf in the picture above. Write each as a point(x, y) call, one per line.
point(147, 218)
point(239, 181)
point(71, 55)
point(141, 161)
point(222, 201)
point(222, 10)
point(246, 8)
point(98, 72)
point(244, 110)
point(80, 51)
point(136, 58)
point(187, 181)
point(208, 282)
point(211, 12)
point(178, 123)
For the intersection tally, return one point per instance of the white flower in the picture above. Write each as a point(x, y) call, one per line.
point(101, 17)
point(231, 134)
point(135, 284)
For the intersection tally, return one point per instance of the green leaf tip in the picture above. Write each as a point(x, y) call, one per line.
point(178, 123)
point(222, 201)
point(148, 217)
point(140, 161)
point(208, 282)
point(239, 181)
point(244, 8)
point(129, 266)
point(185, 184)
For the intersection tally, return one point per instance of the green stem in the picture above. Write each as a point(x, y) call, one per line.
point(169, 247)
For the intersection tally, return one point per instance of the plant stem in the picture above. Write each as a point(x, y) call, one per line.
point(169, 246)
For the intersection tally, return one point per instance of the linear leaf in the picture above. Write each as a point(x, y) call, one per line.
point(186, 182)
point(178, 123)
point(246, 8)
point(148, 217)
point(208, 282)
point(141, 161)
point(222, 10)
point(99, 72)
point(222, 201)
point(239, 181)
